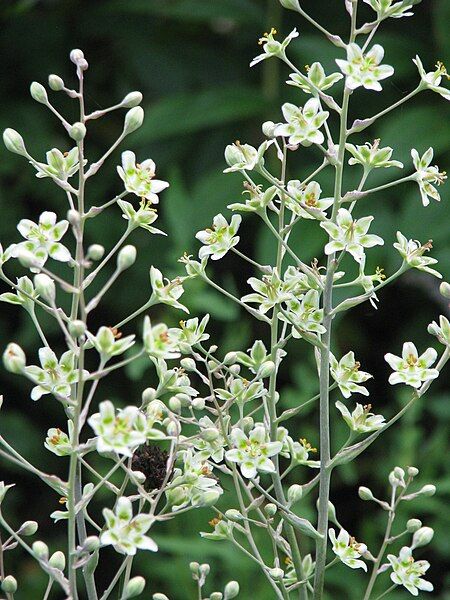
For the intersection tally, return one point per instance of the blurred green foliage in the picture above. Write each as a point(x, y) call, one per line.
point(190, 59)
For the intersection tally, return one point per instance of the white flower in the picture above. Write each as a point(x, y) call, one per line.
point(58, 442)
point(426, 176)
point(55, 377)
point(306, 313)
point(347, 375)
point(350, 235)
point(314, 80)
point(411, 368)
point(303, 123)
point(159, 342)
point(433, 79)
point(190, 333)
point(253, 453)
point(143, 217)
point(167, 291)
point(408, 572)
point(441, 331)
point(371, 156)
point(42, 240)
point(241, 391)
point(270, 291)
point(243, 157)
point(220, 238)
point(139, 178)
point(271, 47)
point(364, 69)
point(125, 532)
point(210, 442)
point(108, 344)
point(22, 295)
point(388, 8)
point(60, 166)
point(361, 419)
point(412, 253)
point(347, 549)
point(308, 195)
point(122, 432)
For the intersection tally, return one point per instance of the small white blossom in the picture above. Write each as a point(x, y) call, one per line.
point(314, 80)
point(42, 240)
point(408, 572)
point(53, 377)
point(350, 235)
point(143, 217)
point(211, 442)
point(58, 442)
point(364, 69)
point(303, 123)
point(159, 343)
point(167, 291)
point(272, 47)
point(122, 432)
point(371, 156)
point(125, 532)
point(308, 195)
point(60, 166)
point(306, 313)
point(347, 549)
point(220, 238)
point(389, 8)
point(108, 344)
point(411, 368)
point(426, 176)
point(243, 157)
point(361, 420)
point(240, 391)
point(253, 453)
point(139, 178)
point(412, 253)
point(348, 376)
point(441, 331)
point(271, 290)
point(24, 294)
point(433, 79)
point(190, 333)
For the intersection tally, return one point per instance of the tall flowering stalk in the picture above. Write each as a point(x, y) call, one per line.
point(209, 417)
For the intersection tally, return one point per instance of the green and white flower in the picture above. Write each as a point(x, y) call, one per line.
point(241, 391)
point(303, 123)
point(108, 344)
point(306, 314)
point(308, 195)
point(361, 420)
point(25, 286)
point(253, 453)
point(42, 241)
point(59, 166)
point(167, 291)
point(272, 47)
point(121, 433)
point(348, 376)
point(347, 549)
point(223, 530)
point(371, 156)
point(159, 343)
point(210, 442)
point(58, 442)
point(190, 333)
point(350, 235)
point(256, 360)
point(432, 80)
point(364, 69)
point(125, 532)
point(139, 177)
point(257, 199)
point(314, 80)
point(143, 217)
point(390, 8)
point(408, 572)
point(220, 238)
point(53, 377)
point(243, 157)
point(412, 253)
point(271, 290)
point(426, 176)
point(441, 331)
point(412, 369)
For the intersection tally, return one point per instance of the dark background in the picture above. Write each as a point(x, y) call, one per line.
point(190, 59)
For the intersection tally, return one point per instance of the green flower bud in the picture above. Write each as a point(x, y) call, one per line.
point(9, 585)
point(231, 590)
point(444, 288)
point(40, 550)
point(28, 528)
point(294, 493)
point(38, 92)
point(364, 493)
point(413, 525)
point(58, 560)
point(290, 4)
point(188, 364)
point(77, 328)
point(230, 358)
point(133, 120)
point(134, 587)
point(194, 566)
point(428, 490)
point(413, 471)
point(160, 597)
point(45, 287)
point(204, 570)
point(139, 477)
point(198, 403)
point(174, 404)
point(14, 142)
point(91, 543)
point(14, 359)
point(216, 596)
point(95, 252)
point(422, 537)
point(276, 573)
point(270, 509)
point(131, 100)
point(148, 395)
point(266, 369)
point(233, 515)
point(77, 132)
point(209, 434)
point(126, 257)
point(55, 83)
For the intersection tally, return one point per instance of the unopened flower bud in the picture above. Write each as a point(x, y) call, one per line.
point(158, 596)
point(28, 528)
point(126, 257)
point(188, 364)
point(276, 573)
point(428, 490)
point(173, 428)
point(133, 120)
point(422, 537)
point(45, 287)
point(413, 471)
point(131, 100)
point(14, 142)
point(235, 369)
point(58, 560)
point(209, 434)
point(77, 132)
point(77, 328)
point(139, 477)
point(38, 92)
point(83, 64)
point(290, 4)
point(194, 566)
point(266, 369)
point(148, 395)
point(134, 587)
point(364, 493)
point(40, 550)
point(74, 217)
point(14, 359)
point(216, 596)
point(247, 423)
point(174, 404)
point(270, 509)
point(9, 585)
point(231, 590)
point(444, 288)
point(91, 543)
point(397, 477)
point(95, 252)
point(413, 525)
point(55, 83)
point(230, 358)
point(198, 403)
point(233, 515)
point(294, 493)
point(204, 570)
point(76, 55)
point(27, 259)
point(268, 129)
